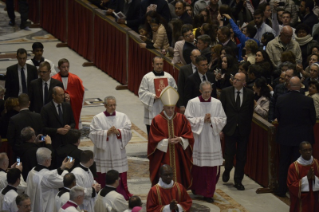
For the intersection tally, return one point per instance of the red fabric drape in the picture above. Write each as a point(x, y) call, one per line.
point(80, 27)
point(110, 49)
point(34, 10)
point(53, 18)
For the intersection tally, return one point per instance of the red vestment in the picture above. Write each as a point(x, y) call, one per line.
point(179, 159)
point(159, 197)
point(302, 201)
point(76, 91)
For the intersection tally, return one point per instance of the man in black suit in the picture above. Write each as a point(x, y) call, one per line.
point(131, 9)
point(223, 35)
point(19, 76)
point(193, 82)
point(238, 103)
point(57, 117)
point(296, 117)
point(40, 90)
point(180, 11)
point(31, 142)
point(184, 72)
point(189, 46)
point(25, 118)
point(203, 43)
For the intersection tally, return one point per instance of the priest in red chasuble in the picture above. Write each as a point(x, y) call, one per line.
point(303, 181)
point(73, 87)
point(170, 141)
point(168, 195)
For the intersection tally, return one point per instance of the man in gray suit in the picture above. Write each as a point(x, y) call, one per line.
point(184, 72)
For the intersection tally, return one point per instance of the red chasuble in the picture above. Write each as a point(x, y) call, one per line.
point(158, 197)
point(302, 201)
point(76, 92)
point(178, 158)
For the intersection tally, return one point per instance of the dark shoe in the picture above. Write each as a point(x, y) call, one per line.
point(239, 186)
point(208, 199)
point(225, 176)
point(12, 23)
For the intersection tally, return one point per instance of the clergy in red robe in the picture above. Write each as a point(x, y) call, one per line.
point(171, 141)
point(167, 195)
point(303, 181)
point(73, 86)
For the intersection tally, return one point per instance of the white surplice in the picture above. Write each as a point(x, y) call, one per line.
point(146, 94)
point(109, 151)
point(85, 179)
point(113, 202)
point(42, 187)
point(7, 201)
point(71, 208)
point(207, 148)
point(61, 200)
point(3, 182)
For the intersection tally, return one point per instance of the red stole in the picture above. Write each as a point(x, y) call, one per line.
point(158, 197)
point(69, 204)
point(178, 158)
point(76, 91)
point(302, 201)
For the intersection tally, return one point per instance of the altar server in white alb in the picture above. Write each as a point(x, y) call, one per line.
point(85, 179)
point(9, 193)
point(43, 184)
point(110, 132)
point(207, 118)
point(76, 199)
point(63, 196)
point(150, 88)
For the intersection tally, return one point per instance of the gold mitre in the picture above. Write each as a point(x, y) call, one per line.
point(169, 96)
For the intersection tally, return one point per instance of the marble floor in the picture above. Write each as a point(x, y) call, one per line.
point(98, 85)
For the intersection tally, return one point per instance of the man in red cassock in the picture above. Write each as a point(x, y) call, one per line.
point(171, 141)
point(168, 195)
point(303, 181)
point(73, 88)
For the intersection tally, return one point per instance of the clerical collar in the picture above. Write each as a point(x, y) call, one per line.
point(109, 114)
point(164, 185)
point(169, 117)
point(40, 167)
point(37, 62)
point(83, 167)
point(304, 162)
point(8, 188)
point(201, 99)
point(158, 74)
point(1, 170)
point(107, 189)
point(63, 191)
point(110, 186)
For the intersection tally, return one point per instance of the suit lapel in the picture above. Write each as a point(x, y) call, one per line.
point(41, 90)
point(189, 70)
point(232, 98)
point(28, 75)
point(16, 72)
point(56, 113)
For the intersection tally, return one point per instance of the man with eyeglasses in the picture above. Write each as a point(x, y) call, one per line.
point(40, 90)
point(23, 203)
point(189, 45)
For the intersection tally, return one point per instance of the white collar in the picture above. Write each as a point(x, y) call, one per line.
point(164, 185)
point(67, 188)
point(169, 117)
point(25, 66)
point(49, 80)
point(241, 90)
point(304, 162)
point(84, 166)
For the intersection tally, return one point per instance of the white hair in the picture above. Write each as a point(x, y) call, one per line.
point(109, 98)
point(202, 84)
point(43, 154)
point(75, 192)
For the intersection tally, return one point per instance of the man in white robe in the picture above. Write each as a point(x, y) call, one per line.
point(4, 164)
point(110, 132)
point(85, 179)
point(9, 193)
point(43, 184)
point(147, 94)
point(207, 118)
point(108, 198)
point(76, 199)
point(63, 196)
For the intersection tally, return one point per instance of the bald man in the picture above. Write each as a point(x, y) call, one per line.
point(283, 43)
point(296, 117)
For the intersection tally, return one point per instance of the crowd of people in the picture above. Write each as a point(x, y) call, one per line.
point(237, 58)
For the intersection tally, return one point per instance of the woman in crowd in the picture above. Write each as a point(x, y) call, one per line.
point(189, 10)
point(206, 15)
point(313, 58)
point(228, 69)
point(176, 33)
point(227, 50)
point(12, 108)
point(263, 60)
point(262, 96)
point(314, 94)
point(215, 52)
point(243, 67)
point(251, 50)
point(315, 49)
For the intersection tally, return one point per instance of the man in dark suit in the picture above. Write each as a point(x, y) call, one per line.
point(193, 82)
point(203, 43)
point(189, 46)
point(25, 118)
point(40, 90)
point(223, 35)
point(57, 117)
point(180, 11)
point(184, 72)
point(19, 76)
point(131, 9)
point(296, 117)
point(238, 104)
point(306, 15)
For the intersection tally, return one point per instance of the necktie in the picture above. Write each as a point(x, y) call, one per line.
point(60, 113)
point(24, 84)
point(204, 78)
point(238, 100)
point(46, 94)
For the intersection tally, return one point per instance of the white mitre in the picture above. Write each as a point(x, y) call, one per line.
point(169, 96)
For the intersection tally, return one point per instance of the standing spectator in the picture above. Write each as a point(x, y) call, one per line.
point(288, 5)
point(243, 67)
point(314, 94)
point(288, 56)
point(228, 68)
point(200, 5)
point(266, 38)
point(306, 14)
point(251, 47)
point(293, 128)
point(263, 60)
point(131, 10)
point(262, 94)
point(19, 76)
point(180, 11)
point(213, 9)
point(23, 10)
point(254, 72)
point(203, 44)
point(283, 43)
point(215, 52)
point(313, 58)
point(223, 35)
point(161, 8)
point(286, 18)
point(11, 107)
point(239, 115)
point(188, 39)
point(189, 44)
point(261, 26)
point(314, 75)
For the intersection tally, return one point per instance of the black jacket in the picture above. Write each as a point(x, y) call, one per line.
point(187, 51)
point(184, 72)
point(132, 14)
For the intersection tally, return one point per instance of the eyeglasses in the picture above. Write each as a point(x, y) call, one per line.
point(42, 72)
